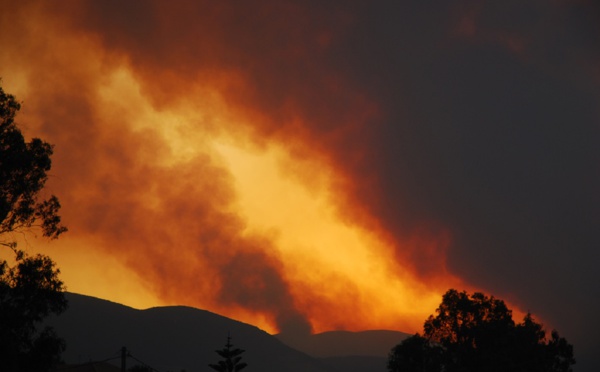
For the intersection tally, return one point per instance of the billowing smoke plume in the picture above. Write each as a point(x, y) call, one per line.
point(464, 138)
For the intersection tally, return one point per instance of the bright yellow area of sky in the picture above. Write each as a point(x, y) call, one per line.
point(315, 243)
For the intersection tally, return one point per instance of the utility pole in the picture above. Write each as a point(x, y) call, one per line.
point(123, 359)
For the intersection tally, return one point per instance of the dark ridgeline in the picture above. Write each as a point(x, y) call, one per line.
point(172, 338)
point(179, 338)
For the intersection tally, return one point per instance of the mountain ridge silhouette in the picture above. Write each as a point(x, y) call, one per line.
point(176, 338)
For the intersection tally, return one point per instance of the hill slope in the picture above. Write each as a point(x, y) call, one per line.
point(169, 338)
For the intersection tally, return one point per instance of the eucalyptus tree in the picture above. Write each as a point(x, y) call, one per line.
point(30, 289)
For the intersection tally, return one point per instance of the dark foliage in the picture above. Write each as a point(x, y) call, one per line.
point(415, 353)
point(231, 359)
point(477, 333)
point(29, 292)
point(30, 289)
point(23, 173)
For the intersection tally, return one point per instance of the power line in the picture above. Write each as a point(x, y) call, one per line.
point(142, 363)
point(90, 363)
point(121, 354)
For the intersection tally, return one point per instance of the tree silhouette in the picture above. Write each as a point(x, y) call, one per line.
point(23, 173)
point(29, 289)
point(29, 292)
point(477, 333)
point(231, 359)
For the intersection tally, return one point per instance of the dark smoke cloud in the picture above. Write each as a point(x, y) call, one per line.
point(492, 133)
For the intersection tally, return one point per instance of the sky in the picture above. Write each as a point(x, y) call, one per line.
point(307, 166)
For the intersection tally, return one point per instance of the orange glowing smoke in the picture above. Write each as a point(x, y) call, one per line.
point(198, 164)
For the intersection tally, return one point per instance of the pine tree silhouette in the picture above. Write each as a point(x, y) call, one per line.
point(232, 358)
